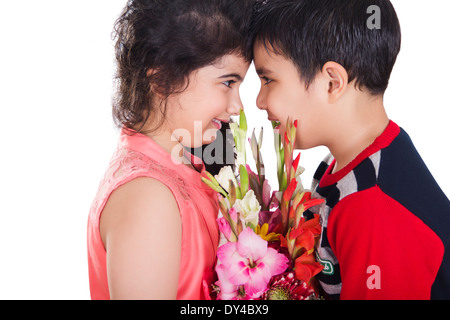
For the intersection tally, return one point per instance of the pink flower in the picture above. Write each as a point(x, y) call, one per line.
point(273, 219)
point(246, 266)
point(233, 215)
point(224, 227)
point(266, 197)
point(227, 290)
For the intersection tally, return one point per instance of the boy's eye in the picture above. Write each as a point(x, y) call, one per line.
point(229, 83)
point(266, 80)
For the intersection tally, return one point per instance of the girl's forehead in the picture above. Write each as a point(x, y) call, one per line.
point(229, 65)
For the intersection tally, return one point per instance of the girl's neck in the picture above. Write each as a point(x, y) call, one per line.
point(169, 142)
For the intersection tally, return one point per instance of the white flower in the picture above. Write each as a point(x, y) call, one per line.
point(239, 135)
point(299, 187)
point(225, 175)
point(240, 158)
point(248, 209)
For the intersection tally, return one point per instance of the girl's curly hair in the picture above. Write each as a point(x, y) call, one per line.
point(171, 39)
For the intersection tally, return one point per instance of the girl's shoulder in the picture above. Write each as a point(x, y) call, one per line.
point(141, 201)
point(128, 165)
point(135, 218)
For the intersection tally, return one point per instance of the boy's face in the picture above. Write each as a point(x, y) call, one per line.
point(284, 94)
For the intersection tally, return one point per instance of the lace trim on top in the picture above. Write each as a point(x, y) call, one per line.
point(127, 165)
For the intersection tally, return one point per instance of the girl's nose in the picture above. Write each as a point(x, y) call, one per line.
point(235, 106)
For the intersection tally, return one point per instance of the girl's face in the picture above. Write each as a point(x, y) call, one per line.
point(212, 96)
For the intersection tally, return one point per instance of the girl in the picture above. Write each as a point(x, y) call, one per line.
point(152, 231)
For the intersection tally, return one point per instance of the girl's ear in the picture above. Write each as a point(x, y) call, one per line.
point(153, 87)
point(150, 72)
point(337, 79)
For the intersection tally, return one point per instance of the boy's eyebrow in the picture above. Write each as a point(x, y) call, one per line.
point(232, 75)
point(263, 70)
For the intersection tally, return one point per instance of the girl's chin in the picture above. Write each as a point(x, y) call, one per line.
point(209, 141)
point(208, 138)
point(210, 135)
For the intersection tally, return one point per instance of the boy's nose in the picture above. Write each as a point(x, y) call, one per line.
point(261, 101)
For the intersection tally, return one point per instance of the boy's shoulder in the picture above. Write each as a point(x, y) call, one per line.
point(404, 176)
point(395, 167)
point(389, 193)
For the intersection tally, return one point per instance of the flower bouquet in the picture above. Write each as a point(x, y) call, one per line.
point(267, 246)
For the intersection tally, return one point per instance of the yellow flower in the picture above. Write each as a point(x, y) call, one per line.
point(262, 232)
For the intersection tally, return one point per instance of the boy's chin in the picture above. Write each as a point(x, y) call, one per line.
point(304, 145)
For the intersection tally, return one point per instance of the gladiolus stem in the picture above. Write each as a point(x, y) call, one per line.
point(215, 187)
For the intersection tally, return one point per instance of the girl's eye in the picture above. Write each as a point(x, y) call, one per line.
point(229, 83)
point(266, 80)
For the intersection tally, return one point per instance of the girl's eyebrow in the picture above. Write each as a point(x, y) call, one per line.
point(232, 75)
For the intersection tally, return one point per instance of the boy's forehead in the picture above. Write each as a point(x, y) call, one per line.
point(263, 55)
point(266, 59)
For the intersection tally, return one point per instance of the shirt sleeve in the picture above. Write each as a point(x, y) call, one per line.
point(384, 251)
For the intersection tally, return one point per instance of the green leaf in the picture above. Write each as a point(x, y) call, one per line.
point(212, 178)
point(243, 121)
point(235, 193)
point(214, 187)
point(284, 182)
point(244, 180)
point(251, 225)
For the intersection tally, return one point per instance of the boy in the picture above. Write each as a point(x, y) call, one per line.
point(386, 222)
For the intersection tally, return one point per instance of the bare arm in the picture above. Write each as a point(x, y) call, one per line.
point(141, 230)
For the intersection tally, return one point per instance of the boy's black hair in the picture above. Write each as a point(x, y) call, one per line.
point(313, 32)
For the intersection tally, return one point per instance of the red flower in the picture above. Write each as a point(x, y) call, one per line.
point(295, 163)
point(305, 233)
point(286, 139)
point(306, 267)
point(287, 195)
point(286, 287)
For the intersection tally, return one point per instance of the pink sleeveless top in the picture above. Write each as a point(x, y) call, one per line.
point(139, 156)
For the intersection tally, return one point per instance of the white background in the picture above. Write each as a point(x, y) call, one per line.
point(57, 133)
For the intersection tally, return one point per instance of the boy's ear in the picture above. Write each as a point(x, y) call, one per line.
point(337, 79)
